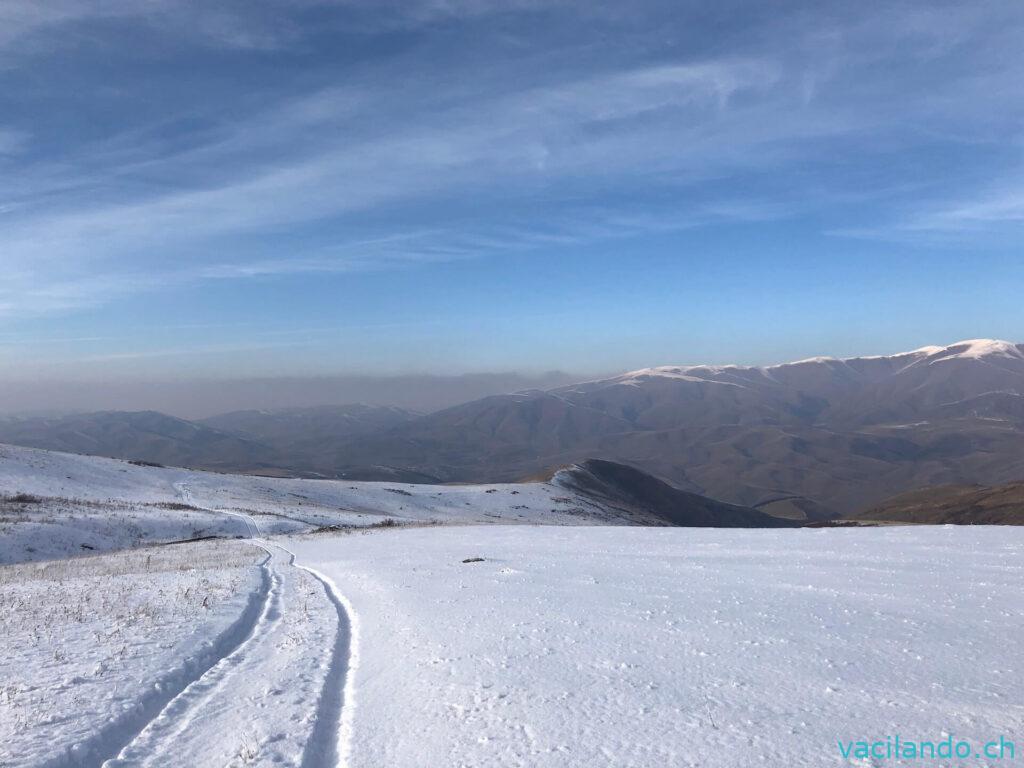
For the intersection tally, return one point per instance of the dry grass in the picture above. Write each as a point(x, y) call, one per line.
point(73, 623)
point(217, 553)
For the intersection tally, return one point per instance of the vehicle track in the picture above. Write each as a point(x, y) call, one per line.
point(178, 714)
point(118, 733)
point(178, 711)
point(331, 737)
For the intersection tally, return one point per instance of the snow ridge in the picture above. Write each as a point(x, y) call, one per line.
point(979, 348)
point(975, 349)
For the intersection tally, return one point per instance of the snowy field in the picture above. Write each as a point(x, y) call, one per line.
point(92, 648)
point(466, 644)
point(676, 647)
point(220, 653)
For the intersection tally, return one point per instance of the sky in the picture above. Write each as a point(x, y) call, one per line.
point(315, 188)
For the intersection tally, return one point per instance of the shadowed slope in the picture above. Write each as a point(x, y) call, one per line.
point(620, 485)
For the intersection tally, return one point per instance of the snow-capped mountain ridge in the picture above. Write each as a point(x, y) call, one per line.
point(973, 349)
point(981, 348)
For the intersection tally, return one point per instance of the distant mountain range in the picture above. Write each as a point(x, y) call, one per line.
point(144, 436)
point(817, 438)
point(301, 433)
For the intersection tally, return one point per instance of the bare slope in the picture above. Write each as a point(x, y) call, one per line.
point(953, 504)
point(142, 435)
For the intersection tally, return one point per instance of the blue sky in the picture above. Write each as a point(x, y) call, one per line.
point(322, 187)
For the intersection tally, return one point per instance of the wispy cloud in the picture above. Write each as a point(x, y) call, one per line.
point(1005, 207)
point(31, 27)
point(28, 27)
point(535, 150)
point(552, 133)
point(983, 220)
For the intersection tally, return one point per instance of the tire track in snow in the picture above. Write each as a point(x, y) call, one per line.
point(178, 714)
point(105, 745)
point(329, 742)
point(124, 741)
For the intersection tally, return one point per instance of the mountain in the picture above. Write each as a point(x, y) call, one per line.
point(811, 439)
point(303, 429)
point(301, 438)
point(289, 442)
point(953, 504)
point(145, 436)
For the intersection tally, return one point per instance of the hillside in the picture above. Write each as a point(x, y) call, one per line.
point(953, 504)
point(621, 486)
point(142, 436)
point(59, 505)
point(298, 432)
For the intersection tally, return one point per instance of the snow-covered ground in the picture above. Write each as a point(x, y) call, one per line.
point(676, 647)
point(92, 648)
point(217, 653)
point(107, 504)
point(44, 528)
point(552, 646)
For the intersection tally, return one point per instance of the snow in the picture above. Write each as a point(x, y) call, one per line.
point(974, 349)
point(560, 646)
point(49, 528)
point(183, 655)
point(683, 647)
point(926, 350)
point(810, 360)
point(680, 373)
point(87, 504)
point(269, 698)
point(93, 646)
point(916, 353)
point(979, 348)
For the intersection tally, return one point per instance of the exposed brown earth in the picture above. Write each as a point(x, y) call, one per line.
point(953, 504)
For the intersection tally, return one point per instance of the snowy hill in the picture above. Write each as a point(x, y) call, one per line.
point(58, 504)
